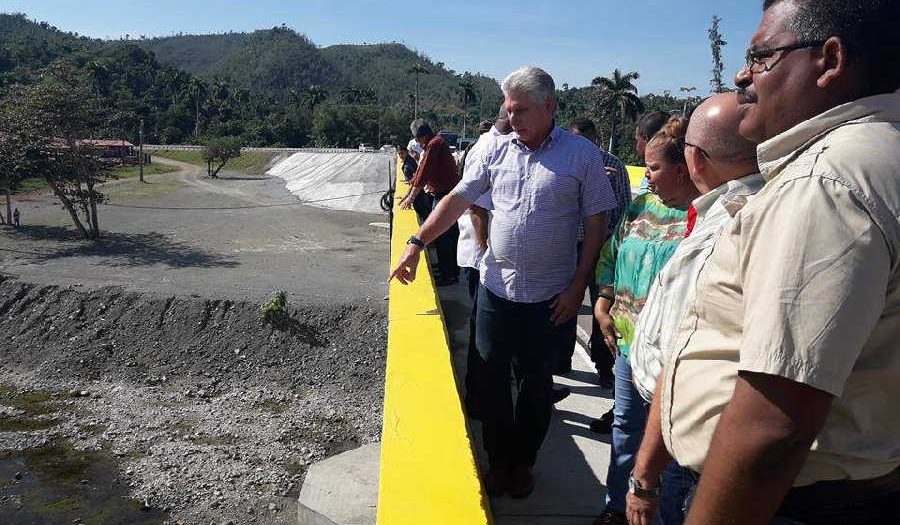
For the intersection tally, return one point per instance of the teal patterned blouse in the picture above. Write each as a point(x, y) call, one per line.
point(645, 238)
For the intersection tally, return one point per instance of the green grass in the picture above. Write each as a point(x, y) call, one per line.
point(39, 185)
point(128, 172)
point(192, 157)
point(250, 163)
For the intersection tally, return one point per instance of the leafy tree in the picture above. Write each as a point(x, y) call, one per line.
point(49, 123)
point(220, 151)
point(715, 43)
point(616, 97)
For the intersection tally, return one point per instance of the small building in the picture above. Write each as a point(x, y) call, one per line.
point(112, 148)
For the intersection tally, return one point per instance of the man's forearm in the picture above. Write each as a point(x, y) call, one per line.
point(413, 193)
point(759, 447)
point(594, 236)
point(444, 215)
point(652, 457)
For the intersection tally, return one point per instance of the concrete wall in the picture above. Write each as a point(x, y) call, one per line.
point(428, 472)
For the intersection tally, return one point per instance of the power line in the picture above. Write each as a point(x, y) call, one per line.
point(253, 206)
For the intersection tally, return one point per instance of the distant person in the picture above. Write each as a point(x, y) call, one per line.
point(474, 227)
point(436, 175)
point(409, 164)
point(618, 178)
point(543, 182)
point(423, 202)
point(16, 216)
point(647, 125)
point(415, 149)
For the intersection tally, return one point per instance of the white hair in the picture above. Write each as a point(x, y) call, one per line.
point(532, 81)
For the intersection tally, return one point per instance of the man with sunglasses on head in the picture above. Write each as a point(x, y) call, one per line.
point(782, 387)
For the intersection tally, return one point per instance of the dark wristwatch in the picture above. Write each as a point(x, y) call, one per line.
point(417, 241)
point(634, 487)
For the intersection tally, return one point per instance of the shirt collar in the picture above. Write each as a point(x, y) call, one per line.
point(552, 138)
point(775, 153)
point(734, 191)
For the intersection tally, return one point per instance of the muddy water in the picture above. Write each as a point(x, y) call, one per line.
point(57, 484)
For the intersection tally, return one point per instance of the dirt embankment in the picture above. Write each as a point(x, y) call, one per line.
point(210, 415)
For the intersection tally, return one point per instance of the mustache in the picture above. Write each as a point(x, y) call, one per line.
point(746, 96)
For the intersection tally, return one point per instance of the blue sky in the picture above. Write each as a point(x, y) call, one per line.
point(575, 40)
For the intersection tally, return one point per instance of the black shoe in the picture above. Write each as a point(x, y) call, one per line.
point(446, 281)
point(606, 382)
point(604, 424)
point(560, 393)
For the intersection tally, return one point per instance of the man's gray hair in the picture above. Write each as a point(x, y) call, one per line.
point(420, 128)
point(531, 81)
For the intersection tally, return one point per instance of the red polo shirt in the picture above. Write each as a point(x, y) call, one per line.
point(437, 169)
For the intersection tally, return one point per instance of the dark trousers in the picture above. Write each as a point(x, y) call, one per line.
point(520, 334)
point(474, 361)
point(445, 246)
point(601, 356)
point(423, 205)
point(839, 502)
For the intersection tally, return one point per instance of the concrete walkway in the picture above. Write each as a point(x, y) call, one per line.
point(571, 469)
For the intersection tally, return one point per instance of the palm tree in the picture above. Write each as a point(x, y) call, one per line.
point(314, 95)
point(617, 97)
point(468, 95)
point(417, 69)
point(99, 73)
point(197, 90)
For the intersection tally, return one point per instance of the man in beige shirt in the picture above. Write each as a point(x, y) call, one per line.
point(783, 386)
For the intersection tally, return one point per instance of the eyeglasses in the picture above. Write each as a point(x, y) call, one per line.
point(702, 151)
point(757, 59)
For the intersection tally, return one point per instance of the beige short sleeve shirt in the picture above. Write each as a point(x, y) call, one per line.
point(804, 284)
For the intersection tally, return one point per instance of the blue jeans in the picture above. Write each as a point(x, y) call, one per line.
point(629, 420)
point(677, 481)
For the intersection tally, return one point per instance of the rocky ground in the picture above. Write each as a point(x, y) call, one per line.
point(138, 404)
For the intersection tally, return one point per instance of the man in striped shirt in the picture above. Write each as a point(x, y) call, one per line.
point(543, 183)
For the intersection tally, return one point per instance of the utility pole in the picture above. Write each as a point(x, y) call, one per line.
point(141, 150)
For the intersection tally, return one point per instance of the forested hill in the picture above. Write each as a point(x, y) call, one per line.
point(281, 59)
point(267, 87)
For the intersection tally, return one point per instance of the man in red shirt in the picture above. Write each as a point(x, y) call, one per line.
point(437, 175)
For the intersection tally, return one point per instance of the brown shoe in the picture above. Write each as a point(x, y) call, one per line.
point(521, 482)
point(497, 481)
point(611, 518)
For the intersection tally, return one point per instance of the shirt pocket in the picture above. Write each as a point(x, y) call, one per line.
point(506, 187)
point(558, 193)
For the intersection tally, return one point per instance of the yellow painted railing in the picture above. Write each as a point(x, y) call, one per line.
point(636, 175)
point(428, 471)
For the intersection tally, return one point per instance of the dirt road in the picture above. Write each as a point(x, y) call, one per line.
point(181, 233)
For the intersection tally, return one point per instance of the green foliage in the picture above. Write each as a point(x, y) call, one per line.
point(274, 312)
point(46, 126)
point(216, 152)
point(716, 42)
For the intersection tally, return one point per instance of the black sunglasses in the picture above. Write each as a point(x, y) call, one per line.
point(756, 58)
